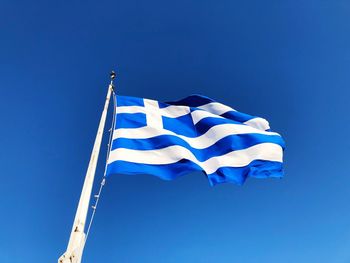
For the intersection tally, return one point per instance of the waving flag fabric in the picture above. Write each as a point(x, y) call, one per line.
point(194, 134)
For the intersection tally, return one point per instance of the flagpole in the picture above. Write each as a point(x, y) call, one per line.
point(76, 242)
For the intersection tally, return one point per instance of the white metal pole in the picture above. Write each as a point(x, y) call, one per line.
point(76, 242)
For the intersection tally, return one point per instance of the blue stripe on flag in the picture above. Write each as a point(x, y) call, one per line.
point(223, 146)
point(237, 116)
point(192, 101)
point(198, 100)
point(207, 123)
point(129, 101)
point(182, 125)
point(130, 120)
point(257, 169)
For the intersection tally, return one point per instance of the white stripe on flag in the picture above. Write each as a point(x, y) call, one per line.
point(214, 134)
point(216, 108)
point(170, 111)
point(258, 123)
point(177, 111)
point(174, 111)
point(173, 154)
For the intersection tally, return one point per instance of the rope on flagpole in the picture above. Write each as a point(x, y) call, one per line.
point(109, 145)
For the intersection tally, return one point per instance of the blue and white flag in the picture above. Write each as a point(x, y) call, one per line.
point(194, 134)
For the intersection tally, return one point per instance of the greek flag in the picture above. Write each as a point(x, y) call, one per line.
point(194, 134)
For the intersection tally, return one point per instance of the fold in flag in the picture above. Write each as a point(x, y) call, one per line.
point(194, 134)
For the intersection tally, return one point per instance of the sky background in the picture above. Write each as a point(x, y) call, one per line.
point(287, 61)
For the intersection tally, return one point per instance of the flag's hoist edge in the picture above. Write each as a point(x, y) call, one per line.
point(194, 134)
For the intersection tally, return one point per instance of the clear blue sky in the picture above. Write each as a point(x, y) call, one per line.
point(287, 61)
